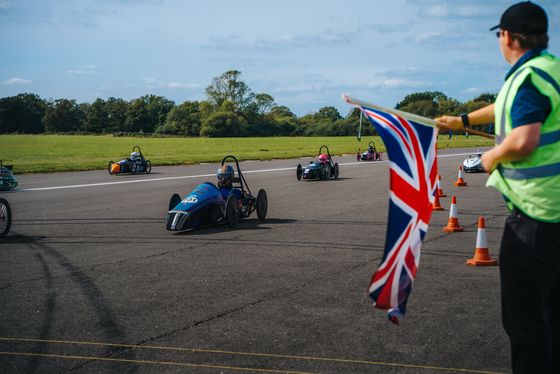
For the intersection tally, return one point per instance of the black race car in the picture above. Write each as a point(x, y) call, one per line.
point(370, 155)
point(324, 168)
point(5, 217)
point(207, 205)
point(136, 163)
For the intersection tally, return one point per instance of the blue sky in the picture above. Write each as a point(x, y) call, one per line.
point(304, 53)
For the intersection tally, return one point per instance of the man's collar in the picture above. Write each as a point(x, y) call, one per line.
point(532, 53)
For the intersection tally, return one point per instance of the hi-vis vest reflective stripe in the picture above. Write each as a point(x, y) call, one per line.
point(533, 183)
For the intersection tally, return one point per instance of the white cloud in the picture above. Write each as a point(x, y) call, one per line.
point(470, 90)
point(149, 80)
point(5, 5)
point(182, 85)
point(15, 81)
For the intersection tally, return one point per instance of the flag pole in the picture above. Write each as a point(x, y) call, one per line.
point(360, 134)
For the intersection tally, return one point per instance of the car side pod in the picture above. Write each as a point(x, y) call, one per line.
point(453, 224)
point(460, 181)
point(481, 256)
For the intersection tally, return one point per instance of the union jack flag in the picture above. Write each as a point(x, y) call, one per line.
point(411, 146)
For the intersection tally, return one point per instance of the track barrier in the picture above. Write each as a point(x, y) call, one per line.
point(481, 256)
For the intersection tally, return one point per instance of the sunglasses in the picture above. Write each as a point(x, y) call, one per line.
point(498, 34)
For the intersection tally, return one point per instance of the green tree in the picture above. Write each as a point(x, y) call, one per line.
point(62, 116)
point(223, 124)
point(22, 113)
point(281, 112)
point(424, 108)
point(229, 86)
point(486, 97)
point(184, 119)
point(329, 112)
point(434, 96)
point(97, 117)
point(146, 113)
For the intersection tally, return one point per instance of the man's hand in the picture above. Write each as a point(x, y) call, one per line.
point(449, 123)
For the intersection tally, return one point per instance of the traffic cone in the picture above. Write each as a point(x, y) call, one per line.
point(453, 224)
point(437, 205)
point(439, 189)
point(481, 256)
point(460, 181)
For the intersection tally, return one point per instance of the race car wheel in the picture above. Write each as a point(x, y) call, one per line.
point(358, 156)
point(327, 172)
point(262, 204)
point(232, 211)
point(379, 156)
point(5, 218)
point(335, 172)
point(110, 166)
point(134, 168)
point(148, 167)
point(175, 199)
point(299, 172)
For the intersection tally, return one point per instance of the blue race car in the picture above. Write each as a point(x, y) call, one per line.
point(207, 205)
point(324, 168)
point(7, 179)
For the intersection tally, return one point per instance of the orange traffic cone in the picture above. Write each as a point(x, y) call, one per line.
point(460, 181)
point(453, 224)
point(437, 205)
point(439, 189)
point(481, 256)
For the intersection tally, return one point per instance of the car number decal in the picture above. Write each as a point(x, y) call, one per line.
point(191, 200)
point(306, 171)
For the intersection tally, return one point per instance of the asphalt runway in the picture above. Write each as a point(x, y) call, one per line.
point(91, 282)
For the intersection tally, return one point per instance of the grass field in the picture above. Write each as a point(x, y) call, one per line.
point(51, 153)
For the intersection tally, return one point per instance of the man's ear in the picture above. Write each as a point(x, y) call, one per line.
point(510, 41)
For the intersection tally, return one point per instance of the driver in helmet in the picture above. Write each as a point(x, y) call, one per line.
point(225, 181)
point(370, 149)
point(322, 159)
point(478, 153)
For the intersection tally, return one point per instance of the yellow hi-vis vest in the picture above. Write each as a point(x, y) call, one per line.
point(533, 183)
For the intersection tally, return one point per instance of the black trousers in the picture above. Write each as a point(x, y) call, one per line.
point(530, 278)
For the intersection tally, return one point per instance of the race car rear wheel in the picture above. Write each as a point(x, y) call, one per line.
point(299, 172)
point(335, 171)
point(109, 167)
point(327, 172)
point(232, 211)
point(148, 167)
point(358, 156)
point(5, 218)
point(262, 204)
point(174, 201)
point(134, 167)
point(379, 156)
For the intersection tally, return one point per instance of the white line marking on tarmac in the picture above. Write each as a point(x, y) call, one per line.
point(191, 176)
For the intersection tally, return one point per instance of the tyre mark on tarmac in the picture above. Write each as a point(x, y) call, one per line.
point(326, 359)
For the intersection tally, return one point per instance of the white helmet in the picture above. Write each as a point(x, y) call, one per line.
point(134, 155)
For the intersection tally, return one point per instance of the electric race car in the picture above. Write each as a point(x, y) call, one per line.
point(5, 218)
point(370, 155)
point(7, 179)
point(473, 164)
point(136, 163)
point(208, 206)
point(324, 168)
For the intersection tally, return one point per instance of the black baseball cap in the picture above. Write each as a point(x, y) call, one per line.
point(524, 18)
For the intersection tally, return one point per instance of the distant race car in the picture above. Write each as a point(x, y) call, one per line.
point(370, 155)
point(207, 206)
point(5, 217)
point(473, 164)
point(135, 164)
point(324, 168)
point(7, 179)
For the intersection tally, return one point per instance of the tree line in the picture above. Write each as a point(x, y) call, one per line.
point(231, 109)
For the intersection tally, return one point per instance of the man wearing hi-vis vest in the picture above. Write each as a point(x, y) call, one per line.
point(525, 167)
